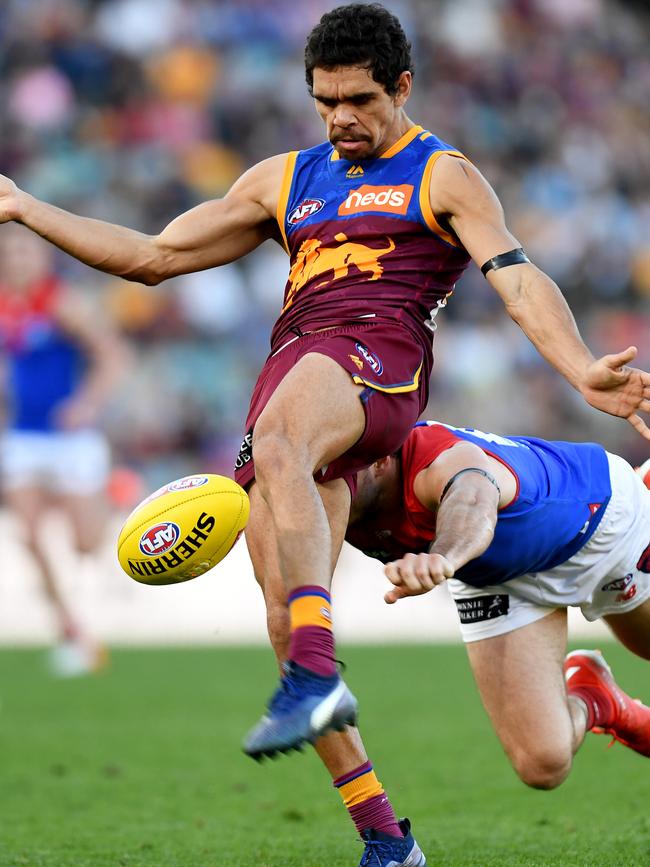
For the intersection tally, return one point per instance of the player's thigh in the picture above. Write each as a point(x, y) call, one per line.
point(315, 410)
point(633, 629)
point(28, 504)
point(520, 678)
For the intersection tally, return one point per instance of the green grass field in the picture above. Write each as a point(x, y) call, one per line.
point(142, 766)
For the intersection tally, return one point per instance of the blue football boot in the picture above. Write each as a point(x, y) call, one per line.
point(382, 850)
point(304, 707)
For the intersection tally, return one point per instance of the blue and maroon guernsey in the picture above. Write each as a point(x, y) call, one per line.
point(363, 241)
point(563, 489)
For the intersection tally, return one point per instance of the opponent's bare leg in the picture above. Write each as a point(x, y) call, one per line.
point(87, 514)
point(87, 517)
point(342, 753)
point(28, 504)
point(633, 629)
point(521, 682)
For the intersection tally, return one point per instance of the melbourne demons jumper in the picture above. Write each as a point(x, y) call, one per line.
point(577, 531)
point(369, 268)
point(44, 367)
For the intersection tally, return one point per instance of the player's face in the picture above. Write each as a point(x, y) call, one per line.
point(361, 119)
point(378, 482)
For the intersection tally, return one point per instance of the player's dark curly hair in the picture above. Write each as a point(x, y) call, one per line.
point(360, 35)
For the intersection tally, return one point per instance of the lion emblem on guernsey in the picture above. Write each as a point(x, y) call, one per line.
point(314, 259)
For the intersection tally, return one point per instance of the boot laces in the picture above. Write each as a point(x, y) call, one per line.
point(376, 852)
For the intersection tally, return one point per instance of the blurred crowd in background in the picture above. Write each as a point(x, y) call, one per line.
point(135, 110)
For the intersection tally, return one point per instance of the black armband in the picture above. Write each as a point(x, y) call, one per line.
point(512, 257)
point(487, 475)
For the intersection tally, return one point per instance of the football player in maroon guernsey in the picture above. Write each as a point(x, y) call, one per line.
point(379, 222)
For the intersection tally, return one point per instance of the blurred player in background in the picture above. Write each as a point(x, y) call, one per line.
point(59, 363)
point(521, 529)
point(379, 223)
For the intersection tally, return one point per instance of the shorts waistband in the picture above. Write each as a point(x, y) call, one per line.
point(333, 330)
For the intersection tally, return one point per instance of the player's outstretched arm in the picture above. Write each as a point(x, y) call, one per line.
point(462, 197)
point(210, 234)
point(466, 505)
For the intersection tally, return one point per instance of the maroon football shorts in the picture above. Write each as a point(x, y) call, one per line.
point(383, 356)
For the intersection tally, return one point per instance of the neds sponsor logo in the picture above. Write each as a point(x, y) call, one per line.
point(391, 200)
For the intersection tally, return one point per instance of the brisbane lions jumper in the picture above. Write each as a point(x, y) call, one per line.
point(369, 268)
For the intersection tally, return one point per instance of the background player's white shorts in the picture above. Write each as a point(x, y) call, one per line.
point(63, 462)
point(601, 578)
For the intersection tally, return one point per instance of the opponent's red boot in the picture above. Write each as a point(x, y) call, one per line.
point(609, 709)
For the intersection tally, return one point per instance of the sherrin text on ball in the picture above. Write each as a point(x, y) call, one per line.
point(182, 529)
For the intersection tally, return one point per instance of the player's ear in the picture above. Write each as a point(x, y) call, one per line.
point(404, 83)
point(381, 467)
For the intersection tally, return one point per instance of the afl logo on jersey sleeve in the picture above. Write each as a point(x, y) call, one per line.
point(159, 538)
point(307, 208)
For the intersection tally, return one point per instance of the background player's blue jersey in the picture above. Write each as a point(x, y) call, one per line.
point(44, 364)
point(562, 491)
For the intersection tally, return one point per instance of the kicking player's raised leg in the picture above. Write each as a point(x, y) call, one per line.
point(520, 679)
point(312, 418)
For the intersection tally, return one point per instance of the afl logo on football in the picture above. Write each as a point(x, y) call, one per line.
point(307, 208)
point(373, 362)
point(160, 538)
point(187, 483)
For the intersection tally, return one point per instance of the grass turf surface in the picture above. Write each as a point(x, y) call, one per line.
point(141, 767)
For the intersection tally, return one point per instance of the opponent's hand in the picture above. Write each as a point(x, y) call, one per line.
point(619, 390)
point(415, 574)
point(9, 194)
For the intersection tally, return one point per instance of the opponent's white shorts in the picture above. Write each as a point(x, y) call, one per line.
point(63, 462)
point(603, 577)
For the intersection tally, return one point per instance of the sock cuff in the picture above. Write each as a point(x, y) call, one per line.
point(588, 699)
point(310, 609)
point(309, 590)
point(361, 789)
point(352, 775)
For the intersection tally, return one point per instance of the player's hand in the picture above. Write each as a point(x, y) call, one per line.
point(619, 390)
point(415, 574)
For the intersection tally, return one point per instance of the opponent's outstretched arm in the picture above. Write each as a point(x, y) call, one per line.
point(461, 196)
point(465, 521)
point(211, 234)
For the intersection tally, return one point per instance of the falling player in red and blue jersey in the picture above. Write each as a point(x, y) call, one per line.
point(379, 222)
point(59, 364)
point(520, 529)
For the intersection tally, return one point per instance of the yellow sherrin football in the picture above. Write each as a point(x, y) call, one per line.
point(182, 529)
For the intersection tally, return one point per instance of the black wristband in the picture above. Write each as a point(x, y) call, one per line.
point(512, 257)
point(451, 481)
